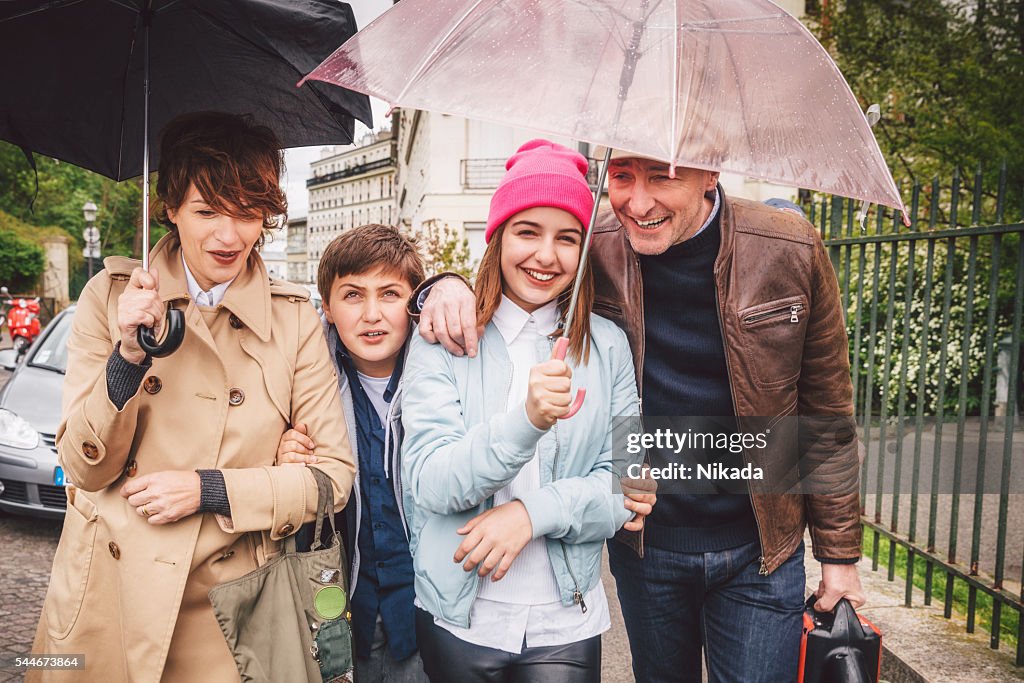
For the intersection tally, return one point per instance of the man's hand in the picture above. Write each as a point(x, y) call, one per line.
point(549, 394)
point(494, 539)
point(641, 495)
point(449, 317)
point(838, 581)
point(296, 448)
point(164, 497)
point(139, 306)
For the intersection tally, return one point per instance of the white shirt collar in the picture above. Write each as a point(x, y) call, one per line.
point(203, 298)
point(711, 216)
point(510, 319)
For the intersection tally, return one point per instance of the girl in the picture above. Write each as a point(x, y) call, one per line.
point(508, 506)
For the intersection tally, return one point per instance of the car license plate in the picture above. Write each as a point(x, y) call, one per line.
point(58, 476)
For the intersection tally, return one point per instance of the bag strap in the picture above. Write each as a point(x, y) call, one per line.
point(324, 505)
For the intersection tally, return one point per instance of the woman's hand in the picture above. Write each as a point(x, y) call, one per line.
point(164, 497)
point(139, 306)
point(494, 539)
point(549, 395)
point(296, 448)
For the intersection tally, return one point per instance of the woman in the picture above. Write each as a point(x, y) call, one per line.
point(171, 459)
point(498, 488)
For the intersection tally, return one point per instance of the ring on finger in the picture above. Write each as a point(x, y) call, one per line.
point(145, 511)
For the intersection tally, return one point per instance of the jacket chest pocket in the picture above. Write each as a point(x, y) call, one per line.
point(772, 334)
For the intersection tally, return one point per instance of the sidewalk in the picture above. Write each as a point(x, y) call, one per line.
point(920, 644)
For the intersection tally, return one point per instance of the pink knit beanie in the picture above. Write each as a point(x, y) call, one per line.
point(542, 173)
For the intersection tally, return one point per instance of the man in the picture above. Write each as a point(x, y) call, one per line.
point(732, 310)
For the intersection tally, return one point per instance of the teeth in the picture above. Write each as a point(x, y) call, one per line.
point(540, 276)
point(374, 334)
point(651, 224)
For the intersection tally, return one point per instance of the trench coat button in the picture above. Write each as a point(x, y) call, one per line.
point(89, 450)
point(285, 530)
point(115, 552)
point(152, 385)
point(235, 322)
point(132, 469)
point(236, 397)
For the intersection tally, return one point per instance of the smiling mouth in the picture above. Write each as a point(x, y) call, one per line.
point(225, 255)
point(538, 275)
point(651, 224)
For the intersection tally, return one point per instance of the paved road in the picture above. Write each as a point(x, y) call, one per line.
point(28, 545)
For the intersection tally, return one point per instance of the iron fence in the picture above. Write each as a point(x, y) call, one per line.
point(934, 319)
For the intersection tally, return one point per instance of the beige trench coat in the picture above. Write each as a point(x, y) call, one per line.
point(132, 596)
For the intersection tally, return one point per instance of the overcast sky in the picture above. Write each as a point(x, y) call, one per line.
point(297, 159)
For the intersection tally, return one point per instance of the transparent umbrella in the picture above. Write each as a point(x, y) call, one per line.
point(724, 85)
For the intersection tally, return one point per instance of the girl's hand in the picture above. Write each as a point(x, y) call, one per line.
point(549, 395)
point(494, 539)
point(164, 497)
point(641, 495)
point(296, 448)
point(139, 306)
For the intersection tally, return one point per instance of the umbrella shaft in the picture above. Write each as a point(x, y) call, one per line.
point(571, 311)
point(145, 141)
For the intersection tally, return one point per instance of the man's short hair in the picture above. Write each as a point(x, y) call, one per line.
point(367, 248)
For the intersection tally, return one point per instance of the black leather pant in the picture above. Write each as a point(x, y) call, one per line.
point(448, 659)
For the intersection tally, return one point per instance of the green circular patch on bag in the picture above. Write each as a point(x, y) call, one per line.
point(329, 602)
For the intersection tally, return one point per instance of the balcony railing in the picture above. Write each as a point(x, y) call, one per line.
point(349, 172)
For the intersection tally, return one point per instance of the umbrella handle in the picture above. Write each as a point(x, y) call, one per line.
point(561, 347)
point(175, 324)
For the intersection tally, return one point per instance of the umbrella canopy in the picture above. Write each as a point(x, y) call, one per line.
point(72, 82)
point(724, 85)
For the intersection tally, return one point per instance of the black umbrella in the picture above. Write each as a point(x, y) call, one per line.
point(91, 82)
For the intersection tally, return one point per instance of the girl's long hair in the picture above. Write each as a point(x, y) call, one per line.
point(488, 298)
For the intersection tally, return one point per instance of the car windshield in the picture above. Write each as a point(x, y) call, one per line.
point(52, 353)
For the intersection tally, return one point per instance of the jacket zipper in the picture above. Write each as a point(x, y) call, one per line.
point(763, 568)
point(508, 390)
point(793, 310)
point(577, 594)
point(639, 388)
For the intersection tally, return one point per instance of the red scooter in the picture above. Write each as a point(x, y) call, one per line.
point(23, 322)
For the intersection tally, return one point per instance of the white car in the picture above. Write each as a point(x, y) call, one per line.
point(31, 481)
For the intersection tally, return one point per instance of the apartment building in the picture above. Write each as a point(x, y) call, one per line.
point(350, 186)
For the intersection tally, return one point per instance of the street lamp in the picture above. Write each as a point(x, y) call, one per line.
point(91, 234)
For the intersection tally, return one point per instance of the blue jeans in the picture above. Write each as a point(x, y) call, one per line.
point(675, 603)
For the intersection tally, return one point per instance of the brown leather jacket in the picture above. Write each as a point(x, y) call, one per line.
point(769, 261)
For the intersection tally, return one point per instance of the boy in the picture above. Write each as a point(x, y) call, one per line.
point(366, 277)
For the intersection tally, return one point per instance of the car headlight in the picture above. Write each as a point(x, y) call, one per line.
point(16, 432)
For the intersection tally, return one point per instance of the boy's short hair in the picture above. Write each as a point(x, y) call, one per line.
point(365, 248)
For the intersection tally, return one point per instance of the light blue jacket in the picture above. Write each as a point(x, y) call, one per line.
point(461, 447)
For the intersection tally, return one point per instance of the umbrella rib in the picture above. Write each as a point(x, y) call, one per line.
point(594, 74)
point(124, 91)
point(56, 4)
point(677, 56)
point(126, 6)
point(230, 29)
point(429, 60)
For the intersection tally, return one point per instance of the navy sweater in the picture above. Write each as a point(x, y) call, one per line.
point(685, 376)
